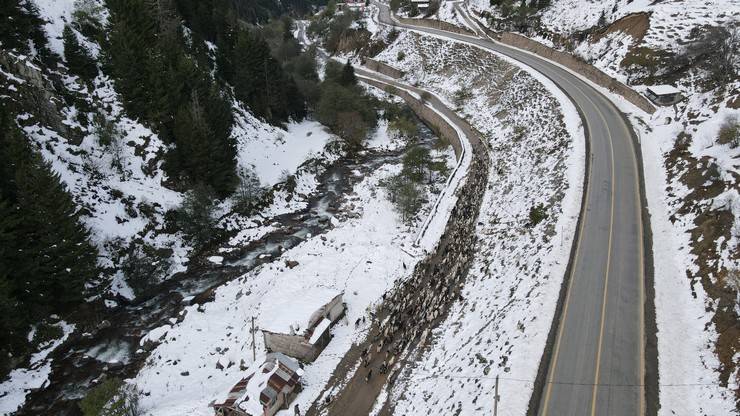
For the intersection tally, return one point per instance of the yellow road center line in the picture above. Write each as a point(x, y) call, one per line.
point(595, 389)
point(556, 351)
point(641, 277)
point(641, 262)
point(641, 308)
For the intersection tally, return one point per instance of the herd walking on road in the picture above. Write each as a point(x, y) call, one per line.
point(401, 324)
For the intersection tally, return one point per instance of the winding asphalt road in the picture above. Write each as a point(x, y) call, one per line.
point(597, 364)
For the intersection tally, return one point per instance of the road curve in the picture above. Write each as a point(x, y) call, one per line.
point(597, 361)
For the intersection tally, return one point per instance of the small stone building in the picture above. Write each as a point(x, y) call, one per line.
point(307, 344)
point(265, 391)
point(663, 94)
point(421, 5)
point(354, 5)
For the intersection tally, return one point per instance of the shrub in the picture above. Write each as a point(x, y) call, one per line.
point(78, 57)
point(416, 163)
point(144, 265)
point(46, 332)
point(249, 193)
point(462, 95)
point(405, 195)
point(401, 55)
point(87, 17)
point(345, 110)
point(111, 398)
point(729, 132)
point(433, 8)
point(404, 126)
point(537, 213)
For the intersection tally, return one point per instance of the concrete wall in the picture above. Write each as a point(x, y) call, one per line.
point(383, 68)
point(435, 24)
point(432, 119)
point(295, 346)
point(331, 311)
point(571, 62)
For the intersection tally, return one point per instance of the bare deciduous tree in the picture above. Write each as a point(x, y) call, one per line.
point(352, 128)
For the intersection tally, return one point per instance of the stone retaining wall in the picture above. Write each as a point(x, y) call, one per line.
point(571, 62)
point(383, 68)
point(437, 280)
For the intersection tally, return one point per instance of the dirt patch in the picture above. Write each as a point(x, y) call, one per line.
point(635, 25)
point(353, 40)
point(734, 102)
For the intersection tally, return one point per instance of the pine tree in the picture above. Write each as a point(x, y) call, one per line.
point(251, 79)
point(348, 75)
point(205, 151)
point(602, 20)
point(262, 84)
point(45, 254)
point(48, 250)
point(63, 259)
point(21, 27)
point(131, 38)
point(78, 58)
point(162, 83)
point(196, 215)
point(296, 101)
point(10, 321)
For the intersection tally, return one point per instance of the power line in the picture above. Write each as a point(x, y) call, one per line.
point(567, 383)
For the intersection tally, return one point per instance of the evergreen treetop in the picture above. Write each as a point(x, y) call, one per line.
point(78, 58)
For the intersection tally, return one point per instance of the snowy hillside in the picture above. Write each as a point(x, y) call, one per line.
point(692, 179)
point(232, 174)
point(116, 199)
point(113, 167)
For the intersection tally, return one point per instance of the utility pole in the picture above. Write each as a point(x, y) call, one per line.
point(496, 399)
point(254, 348)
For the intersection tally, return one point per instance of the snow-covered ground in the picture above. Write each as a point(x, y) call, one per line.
point(119, 205)
point(688, 363)
point(671, 20)
point(668, 25)
point(14, 389)
point(500, 326)
point(362, 257)
point(448, 13)
point(687, 336)
point(272, 151)
point(114, 200)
